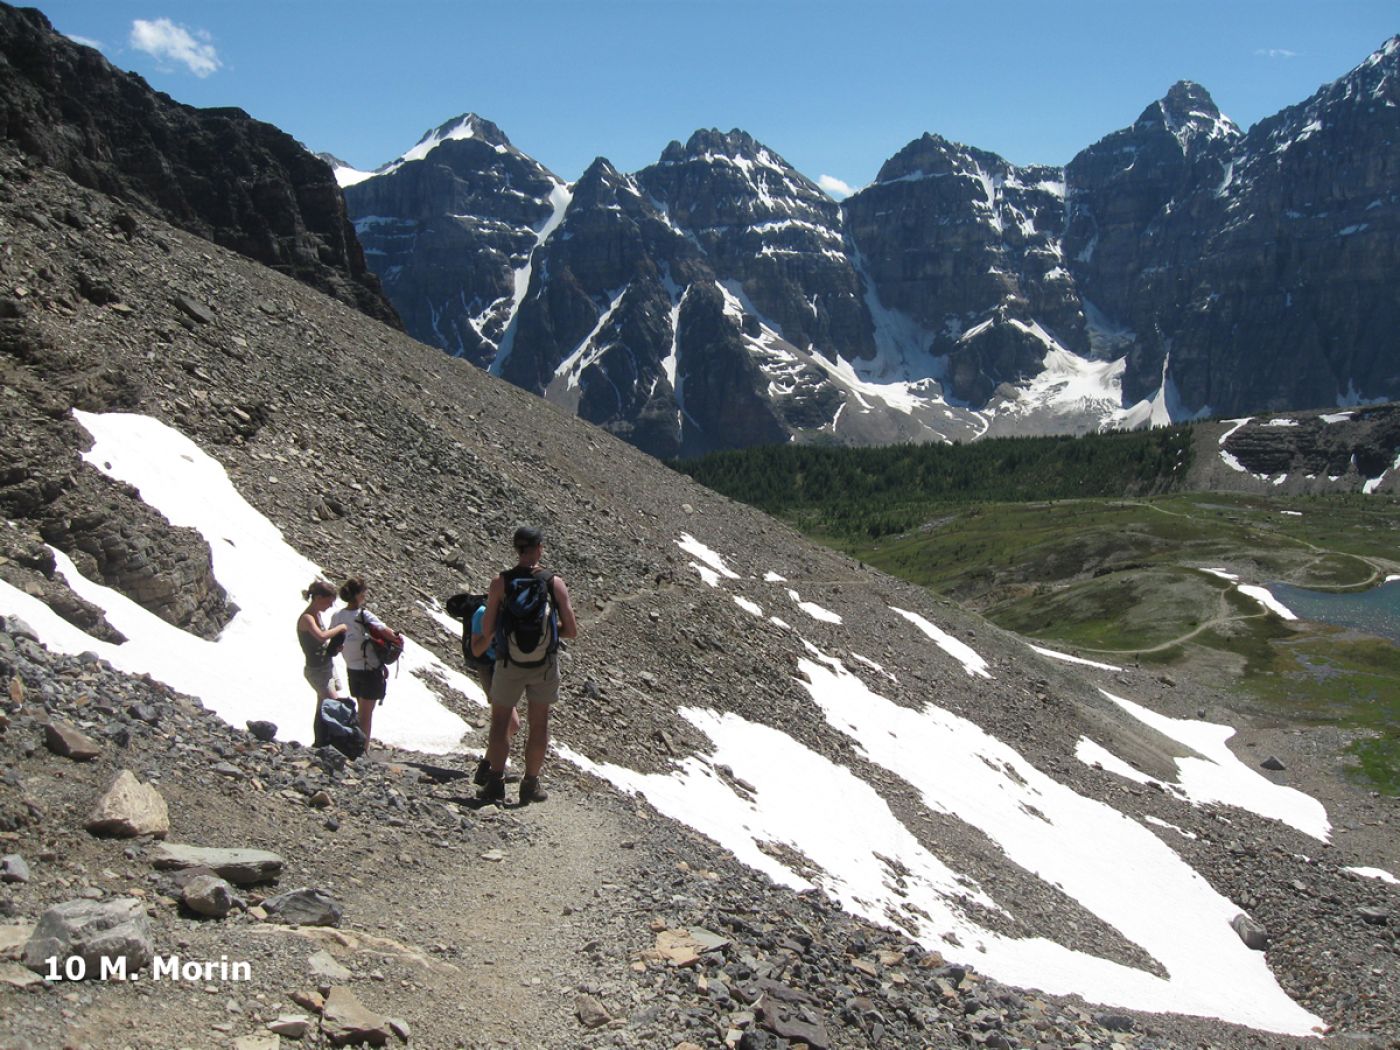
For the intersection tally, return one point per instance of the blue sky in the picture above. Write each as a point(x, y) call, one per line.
point(836, 88)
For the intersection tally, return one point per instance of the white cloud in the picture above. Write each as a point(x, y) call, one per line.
point(86, 41)
point(834, 186)
point(1276, 52)
point(166, 41)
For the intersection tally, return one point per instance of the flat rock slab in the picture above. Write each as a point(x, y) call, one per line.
point(65, 741)
point(242, 867)
point(348, 1022)
point(13, 975)
point(591, 1013)
point(13, 868)
point(684, 947)
point(129, 809)
point(13, 938)
point(94, 930)
point(324, 964)
point(305, 906)
point(293, 1026)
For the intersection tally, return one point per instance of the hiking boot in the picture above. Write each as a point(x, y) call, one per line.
point(530, 791)
point(494, 790)
point(483, 773)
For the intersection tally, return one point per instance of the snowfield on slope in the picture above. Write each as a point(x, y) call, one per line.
point(253, 669)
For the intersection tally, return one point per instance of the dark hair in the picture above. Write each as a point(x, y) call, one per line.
point(318, 589)
point(351, 589)
point(528, 536)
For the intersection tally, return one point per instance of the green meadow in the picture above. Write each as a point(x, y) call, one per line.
point(1024, 533)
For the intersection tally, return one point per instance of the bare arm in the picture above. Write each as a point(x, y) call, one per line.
point(308, 625)
point(568, 624)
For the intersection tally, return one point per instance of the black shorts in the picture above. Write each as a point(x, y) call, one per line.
point(367, 685)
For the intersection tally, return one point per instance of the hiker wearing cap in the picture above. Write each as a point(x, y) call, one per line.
point(527, 613)
point(315, 640)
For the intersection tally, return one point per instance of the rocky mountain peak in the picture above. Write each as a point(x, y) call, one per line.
point(1190, 114)
point(1376, 79)
point(933, 155)
point(463, 128)
point(709, 141)
point(955, 269)
point(466, 126)
point(601, 184)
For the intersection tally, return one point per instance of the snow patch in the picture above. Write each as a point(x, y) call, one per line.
point(695, 548)
point(254, 666)
point(972, 663)
point(1054, 655)
point(1092, 754)
point(1214, 775)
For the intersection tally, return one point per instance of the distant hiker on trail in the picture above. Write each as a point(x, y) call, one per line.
point(527, 613)
point(316, 643)
point(366, 670)
point(483, 652)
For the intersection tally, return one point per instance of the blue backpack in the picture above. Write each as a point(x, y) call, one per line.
point(339, 728)
point(527, 626)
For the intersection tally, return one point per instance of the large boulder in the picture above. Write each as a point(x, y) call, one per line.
point(130, 808)
point(111, 933)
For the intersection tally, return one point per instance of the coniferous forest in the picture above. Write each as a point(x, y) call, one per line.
point(865, 493)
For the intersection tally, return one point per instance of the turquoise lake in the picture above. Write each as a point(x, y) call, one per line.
point(1376, 610)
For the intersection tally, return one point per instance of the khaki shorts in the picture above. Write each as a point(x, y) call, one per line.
point(323, 680)
point(540, 685)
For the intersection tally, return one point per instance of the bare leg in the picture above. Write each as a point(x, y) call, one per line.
point(366, 714)
point(498, 743)
point(538, 741)
point(514, 728)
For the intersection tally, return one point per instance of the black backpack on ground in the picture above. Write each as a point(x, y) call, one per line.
point(338, 727)
point(527, 626)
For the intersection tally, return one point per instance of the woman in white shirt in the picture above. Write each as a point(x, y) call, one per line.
point(367, 675)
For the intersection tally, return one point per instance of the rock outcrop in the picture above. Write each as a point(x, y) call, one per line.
point(450, 231)
point(217, 173)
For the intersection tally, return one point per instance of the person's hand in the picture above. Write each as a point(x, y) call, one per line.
point(340, 628)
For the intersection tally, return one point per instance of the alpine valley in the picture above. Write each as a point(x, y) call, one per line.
point(1177, 269)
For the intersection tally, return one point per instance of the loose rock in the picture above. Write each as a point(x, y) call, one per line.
point(211, 896)
point(305, 906)
point(348, 1022)
point(130, 808)
point(66, 742)
point(93, 930)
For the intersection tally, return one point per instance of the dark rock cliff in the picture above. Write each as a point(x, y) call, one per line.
point(217, 173)
point(447, 234)
point(1177, 269)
